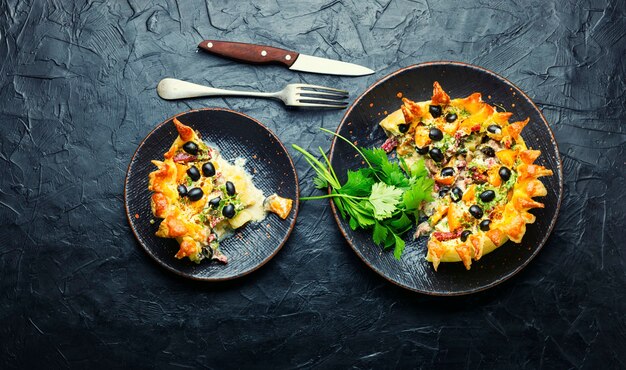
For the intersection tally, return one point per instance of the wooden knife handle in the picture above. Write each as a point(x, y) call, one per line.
point(250, 53)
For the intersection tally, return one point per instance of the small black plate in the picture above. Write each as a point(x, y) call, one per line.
point(360, 125)
point(236, 135)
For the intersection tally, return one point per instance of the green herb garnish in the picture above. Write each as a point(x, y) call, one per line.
point(445, 143)
point(384, 197)
point(202, 217)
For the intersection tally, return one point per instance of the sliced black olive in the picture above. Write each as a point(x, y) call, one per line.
point(193, 173)
point(456, 194)
point(488, 151)
point(484, 225)
point(487, 196)
point(230, 188)
point(447, 171)
point(435, 134)
point(403, 127)
point(215, 202)
point(435, 111)
point(443, 191)
point(208, 169)
point(465, 234)
point(195, 194)
point(476, 211)
point(504, 173)
point(423, 150)
point(228, 211)
point(494, 129)
point(485, 139)
point(450, 117)
point(436, 154)
point(182, 190)
point(423, 218)
point(190, 147)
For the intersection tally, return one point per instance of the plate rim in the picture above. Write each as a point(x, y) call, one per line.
point(213, 279)
point(559, 169)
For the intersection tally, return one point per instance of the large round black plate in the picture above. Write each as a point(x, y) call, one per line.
point(236, 135)
point(360, 125)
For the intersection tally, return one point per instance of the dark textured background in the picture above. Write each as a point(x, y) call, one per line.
point(78, 94)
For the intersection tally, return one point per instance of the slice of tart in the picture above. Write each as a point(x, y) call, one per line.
point(201, 197)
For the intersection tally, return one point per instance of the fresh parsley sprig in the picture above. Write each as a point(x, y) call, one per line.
point(384, 196)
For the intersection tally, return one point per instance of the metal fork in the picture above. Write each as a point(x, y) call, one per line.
point(293, 95)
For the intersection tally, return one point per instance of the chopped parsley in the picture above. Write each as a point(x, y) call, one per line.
point(445, 143)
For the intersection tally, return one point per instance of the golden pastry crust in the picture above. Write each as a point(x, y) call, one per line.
point(278, 205)
point(477, 142)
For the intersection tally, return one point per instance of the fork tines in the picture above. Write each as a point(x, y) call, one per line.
point(321, 96)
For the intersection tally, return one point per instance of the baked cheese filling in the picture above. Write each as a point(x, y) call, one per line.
point(484, 174)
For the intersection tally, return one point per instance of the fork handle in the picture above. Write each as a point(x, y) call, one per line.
point(249, 53)
point(172, 89)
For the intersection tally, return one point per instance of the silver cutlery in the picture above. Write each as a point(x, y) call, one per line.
point(293, 95)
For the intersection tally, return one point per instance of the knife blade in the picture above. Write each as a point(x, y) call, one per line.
point(262, 54)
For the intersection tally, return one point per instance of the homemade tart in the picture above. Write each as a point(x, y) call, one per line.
point(485, 179)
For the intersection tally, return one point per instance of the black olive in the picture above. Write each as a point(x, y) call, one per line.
point(182, 190)
point(494, 129)
point(487, 196)
point(403, 127)
point(488, 151)
point(423, 150)
point(208, 170)
point(465, 234)
point(215, 202)
point(193, 173)
point(436, 154)
point(423, 218)
point(504, 173)
point(485, 139)
point(435, 134)
point(190, 147)
point(435, 111)
point(443, 191)
point(456, 194)
point(451, 117)
point(484, 225)
point(195, 194)
point(230, 188)
point(229, 211)
point(447, 171)
point(476, 211)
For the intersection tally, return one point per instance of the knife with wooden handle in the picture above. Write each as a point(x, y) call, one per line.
point(261, 54)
